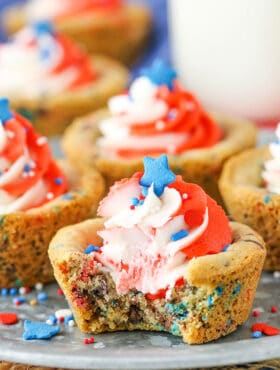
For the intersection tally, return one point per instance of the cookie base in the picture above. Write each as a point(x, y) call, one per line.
point(206, 307)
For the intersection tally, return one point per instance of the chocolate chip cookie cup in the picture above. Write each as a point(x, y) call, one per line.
point(37, 197)
point(144, 272)
point(52, 81)
point(157, 115)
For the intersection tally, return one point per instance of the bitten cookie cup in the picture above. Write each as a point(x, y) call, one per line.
point(215, 296)
point(25, 236)
point(121, 34)
point(51, 114)
point(247, 200)
point(201, 166)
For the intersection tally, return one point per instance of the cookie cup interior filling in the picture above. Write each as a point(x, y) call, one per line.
point(214, 296)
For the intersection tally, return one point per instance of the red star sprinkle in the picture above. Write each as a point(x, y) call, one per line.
point(265, 329)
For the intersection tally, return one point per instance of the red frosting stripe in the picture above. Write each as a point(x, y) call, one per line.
point(74, 7)
point(193, 207)
point(25, 138)
point(40, 154)
point(73, 56)
point(184, 115)
point(12, 152)
point(217, 234)
point(215, 237)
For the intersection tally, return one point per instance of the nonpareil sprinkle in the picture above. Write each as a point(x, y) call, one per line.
point(41, 297)
point(256, 313)
point(266, 198)
point(91, 248)
point(256, 334)
point(58, 181)
point(179, 235)
point(89, 340)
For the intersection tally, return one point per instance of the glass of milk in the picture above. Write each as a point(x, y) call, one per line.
point(228, 53)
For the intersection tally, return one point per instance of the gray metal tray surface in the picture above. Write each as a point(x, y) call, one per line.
point(136, 350)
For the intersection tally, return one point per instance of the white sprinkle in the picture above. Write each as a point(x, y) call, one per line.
point(160, 125)
point(99, 345)
point(10, 134)
point(276, 274)
point(71, 323)
point(49, 322)
point(42, 140)
point(168, 294)
point(24, 174)
point(50, 196)
point(31, 173)
point(260, 309)
point(189, 106)
point(39, 286)
point(22, 290)
point(184, 195)
point(64, 312)
point(32, 164)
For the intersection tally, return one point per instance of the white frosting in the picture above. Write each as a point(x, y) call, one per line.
point(37, 10)
point(23, 73)
point(271, 175)
point(140, 106)
point(141, 239)
point(11, 173)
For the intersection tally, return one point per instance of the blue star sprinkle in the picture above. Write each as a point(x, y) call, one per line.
point(5, 112)
point(43, 28)
point(160, 74)
point(157, 172)
point(39, 330)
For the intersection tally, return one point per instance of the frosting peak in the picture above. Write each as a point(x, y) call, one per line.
point(156, 116)
point(38, 60)
point(28, 175)
point(150, 235)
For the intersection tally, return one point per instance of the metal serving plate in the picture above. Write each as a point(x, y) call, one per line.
point(136, 350)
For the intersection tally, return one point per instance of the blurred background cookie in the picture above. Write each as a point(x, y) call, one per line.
point(250, 188)
point(157, 116)
point(113, 27)
point(50, 79)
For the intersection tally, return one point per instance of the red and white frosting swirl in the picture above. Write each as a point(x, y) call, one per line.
point(141, 246)
point(56, 9)
point(152, 119)
point(29, 177)
point(33, 65)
